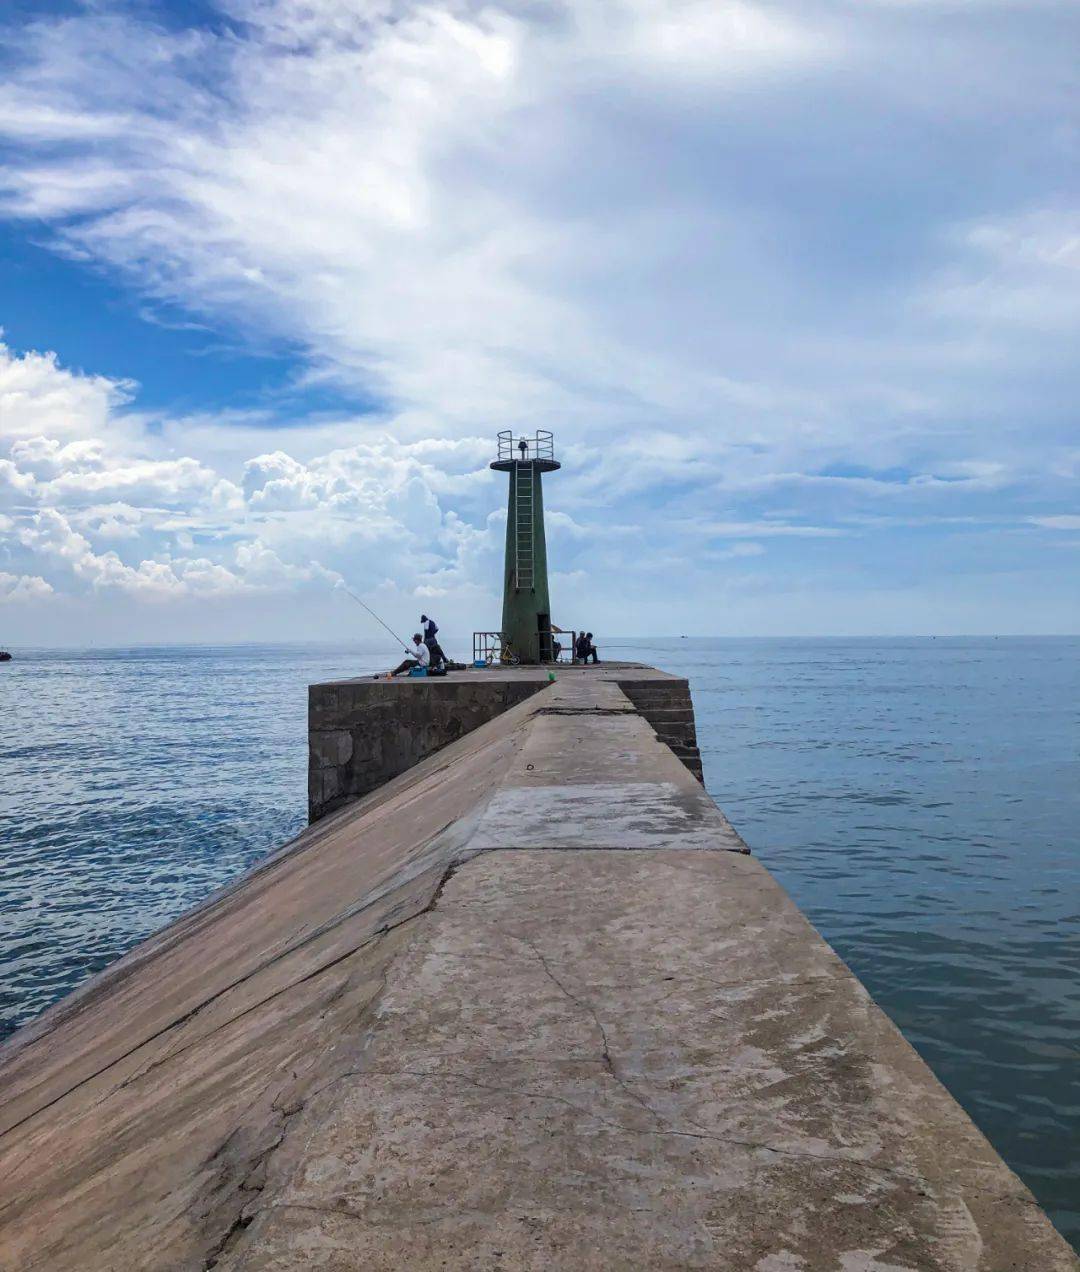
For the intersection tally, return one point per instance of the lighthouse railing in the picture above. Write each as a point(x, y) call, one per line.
point(491, 649)
point(523, 447)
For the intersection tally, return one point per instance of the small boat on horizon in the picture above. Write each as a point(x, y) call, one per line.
point(4, 656)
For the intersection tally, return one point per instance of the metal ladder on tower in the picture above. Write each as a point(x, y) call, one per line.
point(525, 530)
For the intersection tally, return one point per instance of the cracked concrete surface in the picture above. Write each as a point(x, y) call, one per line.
point(418, 1037)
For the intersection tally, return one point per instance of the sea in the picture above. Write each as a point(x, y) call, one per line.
point(919, 799)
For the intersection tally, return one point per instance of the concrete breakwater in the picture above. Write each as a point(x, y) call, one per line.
point(527, 1003)
point(362, 733)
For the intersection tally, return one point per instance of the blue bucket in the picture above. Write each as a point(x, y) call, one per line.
point(479, 662)
point(417, 671)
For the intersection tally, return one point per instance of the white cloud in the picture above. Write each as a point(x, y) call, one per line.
point(254, 567)
point(763, 529)
point(163, 482)
point(22, 587)
point(14, 485)
point(44, 457)
point(1065, 521)
point(49, 535)
point(113, 521)
point(1020, 271)
point(738, 551)
point(39, 398)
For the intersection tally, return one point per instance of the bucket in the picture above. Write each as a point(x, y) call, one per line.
point(479, 662)
point(417, 671)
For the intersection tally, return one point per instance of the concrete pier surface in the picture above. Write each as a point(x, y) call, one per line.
point(528, 1004)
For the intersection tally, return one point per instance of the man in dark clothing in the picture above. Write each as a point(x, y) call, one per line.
point(584, 649)
point(430, 629)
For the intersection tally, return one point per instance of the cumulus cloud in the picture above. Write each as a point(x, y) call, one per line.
point(254, 566)
point(22, 587)
point(118, 514)
point(41, 399)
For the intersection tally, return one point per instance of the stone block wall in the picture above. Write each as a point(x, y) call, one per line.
point(667, 706)
point(362, 733)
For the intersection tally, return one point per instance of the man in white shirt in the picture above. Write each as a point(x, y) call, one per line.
point(421, 656)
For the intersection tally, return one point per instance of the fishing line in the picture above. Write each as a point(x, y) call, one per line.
point(375, 616)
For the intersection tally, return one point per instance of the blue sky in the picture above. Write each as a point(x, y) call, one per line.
point(797, 286)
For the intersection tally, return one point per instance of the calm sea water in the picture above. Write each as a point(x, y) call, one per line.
point(920, 799)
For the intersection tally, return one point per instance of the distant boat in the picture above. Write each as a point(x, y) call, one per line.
point(4, 656)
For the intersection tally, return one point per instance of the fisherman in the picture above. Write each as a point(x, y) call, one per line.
point(420, 658)
point(581, 647)
point(523, 446)
point(430, 630)
point(587, 649)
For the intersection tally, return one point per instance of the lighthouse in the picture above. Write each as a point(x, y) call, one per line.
point(526, 615)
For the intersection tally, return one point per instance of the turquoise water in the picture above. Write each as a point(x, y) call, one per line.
point(920, 799)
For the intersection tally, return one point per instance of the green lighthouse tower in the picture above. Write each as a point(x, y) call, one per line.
point(526, 616)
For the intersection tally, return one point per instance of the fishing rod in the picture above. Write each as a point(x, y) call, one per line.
point(375, 616)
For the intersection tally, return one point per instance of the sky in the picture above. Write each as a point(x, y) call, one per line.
point(795, 285)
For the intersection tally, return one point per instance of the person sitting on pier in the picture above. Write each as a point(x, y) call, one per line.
point(438, 658)
point(422, 658)
point(584, 649)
